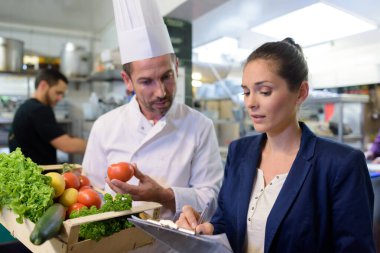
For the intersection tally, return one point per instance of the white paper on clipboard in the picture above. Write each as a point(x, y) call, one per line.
point(184, 242)
point(373, 167)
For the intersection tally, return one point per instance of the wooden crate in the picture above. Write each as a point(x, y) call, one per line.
point(67, 241)
point(59, 167)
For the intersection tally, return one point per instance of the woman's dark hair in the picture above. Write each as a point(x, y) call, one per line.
point(291, 63)
point(51, 76)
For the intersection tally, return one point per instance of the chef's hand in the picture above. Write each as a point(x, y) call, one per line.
point(147, 190)
point(189, 220)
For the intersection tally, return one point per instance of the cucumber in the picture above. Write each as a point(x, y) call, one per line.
point(48, 224)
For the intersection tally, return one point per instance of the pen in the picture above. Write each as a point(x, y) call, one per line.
point(203, 214)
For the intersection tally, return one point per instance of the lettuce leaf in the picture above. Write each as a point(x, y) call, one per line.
point(23, 188)
point(99, 229)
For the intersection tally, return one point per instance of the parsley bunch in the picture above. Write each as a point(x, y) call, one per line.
point(98, 229)
point(23, 188)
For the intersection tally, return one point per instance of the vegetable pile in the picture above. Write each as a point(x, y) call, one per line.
point(47, 199)
point(23, 188)
point(97, 230)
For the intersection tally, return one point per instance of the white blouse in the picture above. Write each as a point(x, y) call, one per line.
point(262, 201)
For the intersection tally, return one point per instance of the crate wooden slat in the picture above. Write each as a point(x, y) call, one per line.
point(67, 241)
point(58, 167)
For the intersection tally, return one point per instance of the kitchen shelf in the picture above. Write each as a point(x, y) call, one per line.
point(27, 74)
point(19, 73)
point(78, 79)
point(339, 100)
point(221, 110)
point(104, 76)
point(107, 75)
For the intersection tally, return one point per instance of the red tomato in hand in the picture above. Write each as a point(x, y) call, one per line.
point(89, 197)
point(71, 180)
point(122, 171)
point(83, 181)
point(74, 207)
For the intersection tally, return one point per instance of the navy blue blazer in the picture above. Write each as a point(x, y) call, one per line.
point(325, 204)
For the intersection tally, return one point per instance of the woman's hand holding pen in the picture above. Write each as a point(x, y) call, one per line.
point(189, 219)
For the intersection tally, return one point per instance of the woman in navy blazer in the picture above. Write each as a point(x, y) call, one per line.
point(311, 194)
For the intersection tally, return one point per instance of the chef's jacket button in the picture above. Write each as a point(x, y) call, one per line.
point(142, 128)
point(256, 197)
point(262, 190)
point(277, 177)
point(249, 219)
point(253, 208)
point(270, 184)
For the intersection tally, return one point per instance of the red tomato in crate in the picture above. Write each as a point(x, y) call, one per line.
point(84, 181)
point(89, 197)
point(74, 207)
point(71, 180)
point(122, 171)
point(85, 187)
point(77, 172)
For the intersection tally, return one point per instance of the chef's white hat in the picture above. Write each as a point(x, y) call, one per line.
point(141, 30)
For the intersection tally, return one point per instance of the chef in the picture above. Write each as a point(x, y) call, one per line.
point(174, 147)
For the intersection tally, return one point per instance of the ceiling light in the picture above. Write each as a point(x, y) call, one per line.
point(69, 46)
point(220, 51)
point(314, 24)
point(196, 83)
point(196, 76)
point(215, 51)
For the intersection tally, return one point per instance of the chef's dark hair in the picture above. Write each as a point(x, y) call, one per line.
point(291, 63)
point(51, 76)
point(127, 67)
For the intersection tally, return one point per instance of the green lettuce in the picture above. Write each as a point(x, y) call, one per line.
point(98, 229)
point(23, 188)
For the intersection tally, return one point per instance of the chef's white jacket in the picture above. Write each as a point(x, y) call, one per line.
point(179, 151)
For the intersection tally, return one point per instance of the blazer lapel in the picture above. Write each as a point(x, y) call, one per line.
point(247, 174)
point(292, 185)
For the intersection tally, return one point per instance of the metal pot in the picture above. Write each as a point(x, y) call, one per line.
point(75, 60)
point(11, 54)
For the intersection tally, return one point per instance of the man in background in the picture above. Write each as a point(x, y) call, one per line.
point(35, 129)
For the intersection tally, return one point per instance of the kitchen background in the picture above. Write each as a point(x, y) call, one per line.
point(211, 38)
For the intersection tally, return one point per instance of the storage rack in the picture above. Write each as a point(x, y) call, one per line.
point(339, 100)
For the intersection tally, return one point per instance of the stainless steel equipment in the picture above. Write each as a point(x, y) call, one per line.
point(75, 60)
point(11, 54)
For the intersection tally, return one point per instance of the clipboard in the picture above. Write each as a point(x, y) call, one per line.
point(180, 241)
point(374, 169)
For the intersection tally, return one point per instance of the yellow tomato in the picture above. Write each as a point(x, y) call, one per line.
point(57, 182)
point(69, 197)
